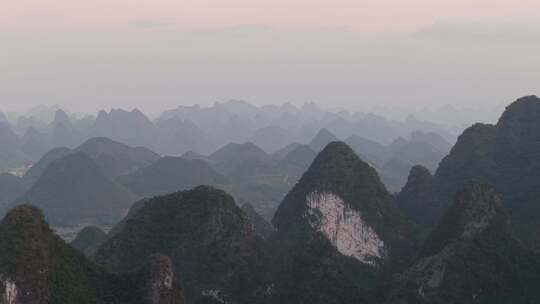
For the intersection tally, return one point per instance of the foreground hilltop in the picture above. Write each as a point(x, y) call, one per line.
point(209, 239)
point(338, 236)
point(505, 155)
point(36, 266)
point(337, 231)
point(471, 257)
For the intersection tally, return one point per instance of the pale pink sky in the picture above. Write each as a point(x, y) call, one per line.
point(156, 54)
point(360, 15)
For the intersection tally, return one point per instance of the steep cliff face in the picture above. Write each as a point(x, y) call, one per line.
point(336, 225)
point(471, 159)
point(471, 257)
point(37, 267)
point(209, 239)
point(505, 155)
point(160, 280)
point(25, 256)
point(344, 227)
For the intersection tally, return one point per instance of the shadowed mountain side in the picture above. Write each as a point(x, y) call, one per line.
point(338, 232)
point(505, 155)
point(207, 237)
point(36, 266)
point(73, 190)
point(171, 174)
point(471, 257)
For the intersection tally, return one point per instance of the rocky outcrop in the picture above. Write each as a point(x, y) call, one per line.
point(160, 280)
point(208, 238)
point(505, 155)
point(471, 257)
point(338, 222)
point(37, 267)
point(344, 227)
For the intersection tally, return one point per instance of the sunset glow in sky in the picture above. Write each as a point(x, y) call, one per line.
point(156, 54)
point(361, 15)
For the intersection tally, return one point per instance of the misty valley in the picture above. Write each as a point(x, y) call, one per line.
point(243, 204)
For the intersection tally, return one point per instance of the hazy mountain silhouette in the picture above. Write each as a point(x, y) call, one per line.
point(323, 138)
point(116, 159)
point(73, 189)
point(171, 174)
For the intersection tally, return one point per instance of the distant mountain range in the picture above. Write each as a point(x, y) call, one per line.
point(246, 171)
point(465, 231)
point(203, 228)
point(198, 129)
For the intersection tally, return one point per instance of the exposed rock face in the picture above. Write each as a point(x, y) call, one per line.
point(338, 181)
point(161, 282)
point(37, 267)
point(344, 227)
point(470, 257)
point(338, 222)
point(416, 199)
point(208, 238)
point(9, 293)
